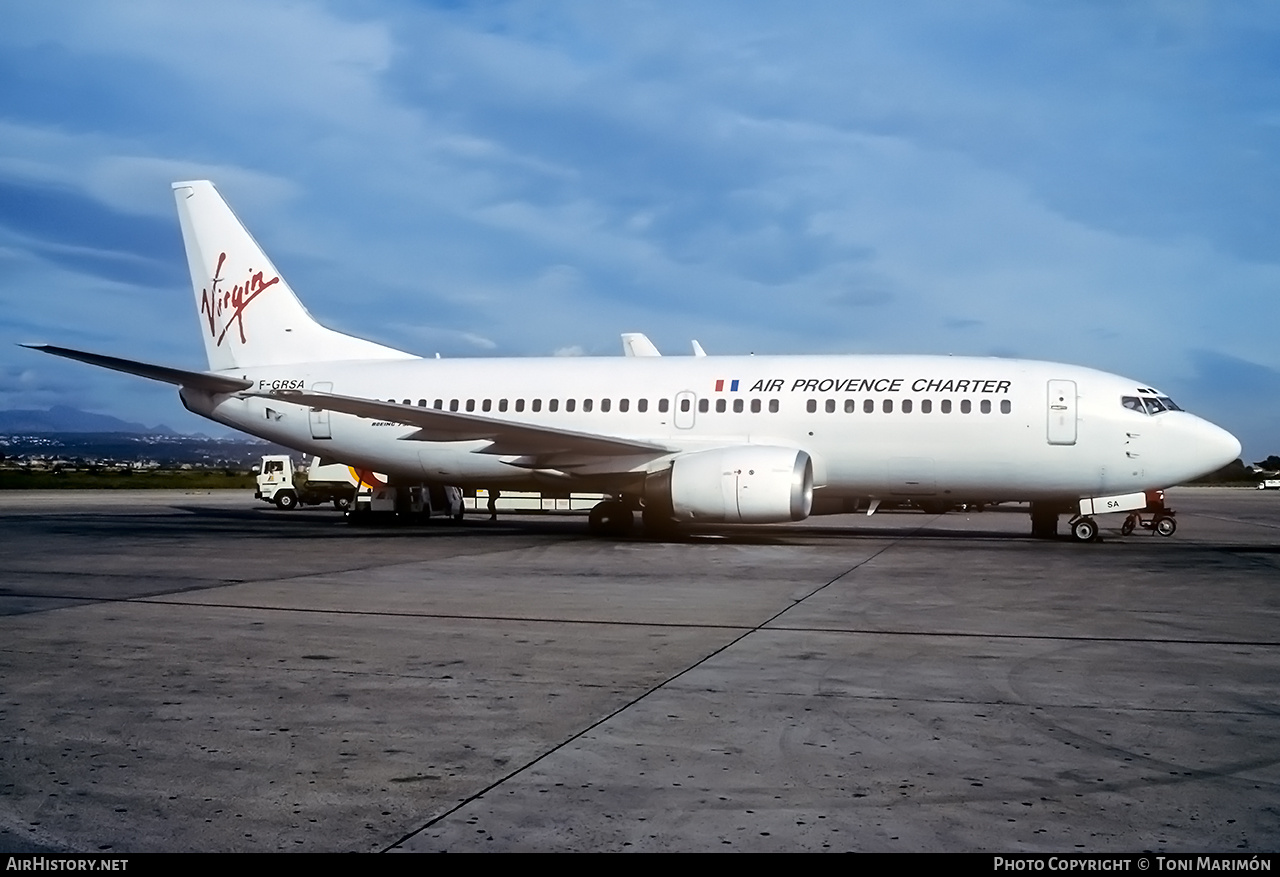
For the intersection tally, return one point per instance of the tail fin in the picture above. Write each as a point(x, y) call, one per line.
point(248, 314)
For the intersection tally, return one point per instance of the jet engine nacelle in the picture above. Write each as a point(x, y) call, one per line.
point(748, 484)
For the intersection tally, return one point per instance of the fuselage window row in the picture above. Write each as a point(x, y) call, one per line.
point(907, 406)
point(606, 405)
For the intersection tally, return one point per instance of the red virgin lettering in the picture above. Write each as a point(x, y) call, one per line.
point(221, 307)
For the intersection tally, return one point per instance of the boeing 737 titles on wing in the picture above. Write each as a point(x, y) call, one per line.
point(738, 439)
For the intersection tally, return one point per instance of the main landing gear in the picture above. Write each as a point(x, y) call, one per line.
point(616, 518)
point(613, 517)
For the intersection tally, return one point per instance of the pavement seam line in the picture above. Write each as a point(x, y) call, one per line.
point(644, 694)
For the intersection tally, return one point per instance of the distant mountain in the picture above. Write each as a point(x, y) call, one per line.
point(61, 418)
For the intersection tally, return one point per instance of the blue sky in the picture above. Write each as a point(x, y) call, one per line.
point(1096, 183)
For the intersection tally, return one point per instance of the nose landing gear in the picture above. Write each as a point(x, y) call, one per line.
point(1084, 529)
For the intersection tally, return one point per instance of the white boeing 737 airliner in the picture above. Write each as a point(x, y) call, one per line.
point(740, 439)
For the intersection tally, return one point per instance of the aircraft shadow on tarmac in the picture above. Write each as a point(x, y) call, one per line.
point(322, 522)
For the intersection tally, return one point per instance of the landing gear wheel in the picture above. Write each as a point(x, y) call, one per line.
point(1085, 530)
point(1127, 527)
point(1166, 526)
point(286, 502)
point(611, 519)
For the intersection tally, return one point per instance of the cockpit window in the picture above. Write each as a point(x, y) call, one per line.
point(1149, 404)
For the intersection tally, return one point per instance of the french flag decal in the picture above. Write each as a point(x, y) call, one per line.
point(733, 386)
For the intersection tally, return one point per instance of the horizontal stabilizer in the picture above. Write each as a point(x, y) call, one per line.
point(196, 380)
point(451, 426)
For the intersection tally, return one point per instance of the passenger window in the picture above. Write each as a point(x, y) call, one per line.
point(439, 404)
point(720, 405)
point(985, 405)
point(965, 406)
point(926, 406)
point(664, 405)
point(553, 404)
point(888, 406)
point(519, 404)
point(868, 406)
point(850, 406)
point(570, 404)
point(471, 404)
point(906, 406)
point(537, 404)
point(502, 404)
point(811, 406)
point(406, 402)
point(946, 406)
point(1005, 406)
point(831, 406)
point(773, 406)
point(604, 404)
point(755, 406)
point(453, 404)
point(422, 403)
point(624, 404)
point(486, 405)
point(737, 406)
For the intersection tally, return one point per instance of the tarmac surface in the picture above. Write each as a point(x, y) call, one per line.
point(200, 672)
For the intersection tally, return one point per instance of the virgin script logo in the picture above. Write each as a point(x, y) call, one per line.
point(223, 307)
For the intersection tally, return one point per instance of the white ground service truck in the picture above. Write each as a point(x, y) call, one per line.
point(289, 486)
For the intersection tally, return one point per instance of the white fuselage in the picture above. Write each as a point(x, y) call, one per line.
point(955, 428)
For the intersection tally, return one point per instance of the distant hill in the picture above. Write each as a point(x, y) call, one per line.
point(61, 418)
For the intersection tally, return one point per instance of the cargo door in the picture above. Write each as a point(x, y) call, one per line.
point(320, 416)
point(912, 476)
point(1062, 413)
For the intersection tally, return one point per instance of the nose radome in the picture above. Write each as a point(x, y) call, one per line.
point(1218, 446)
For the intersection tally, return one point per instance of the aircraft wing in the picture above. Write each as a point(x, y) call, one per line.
point(197, 380)
point(508, 438)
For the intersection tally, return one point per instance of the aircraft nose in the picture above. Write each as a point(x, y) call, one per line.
point(1217, 446)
